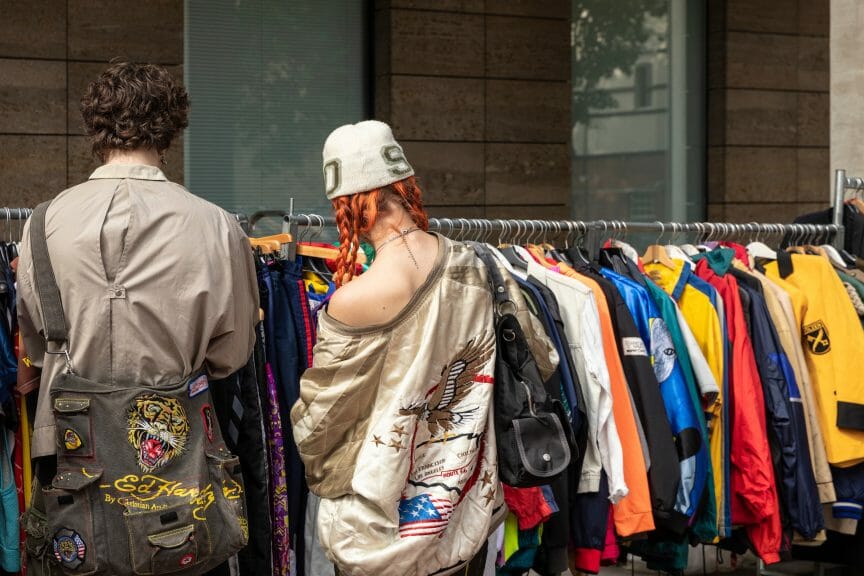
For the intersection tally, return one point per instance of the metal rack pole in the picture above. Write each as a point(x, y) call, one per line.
point(840, 185)
point(471, 224)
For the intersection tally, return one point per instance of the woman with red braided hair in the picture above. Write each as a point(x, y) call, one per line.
point(393, 422)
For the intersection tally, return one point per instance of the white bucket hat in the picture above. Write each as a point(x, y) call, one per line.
point(361, 157)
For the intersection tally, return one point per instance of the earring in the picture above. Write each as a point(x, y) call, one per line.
point(162, 159)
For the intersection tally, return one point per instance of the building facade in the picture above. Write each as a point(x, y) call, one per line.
point(628, 109)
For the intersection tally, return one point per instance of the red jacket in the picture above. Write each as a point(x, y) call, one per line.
point(754, 491)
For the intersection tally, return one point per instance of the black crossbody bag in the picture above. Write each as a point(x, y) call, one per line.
point(535, 442)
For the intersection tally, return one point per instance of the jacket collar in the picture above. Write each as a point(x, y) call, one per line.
point(134, 171)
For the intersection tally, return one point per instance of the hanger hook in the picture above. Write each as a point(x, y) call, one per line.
point(662, 230)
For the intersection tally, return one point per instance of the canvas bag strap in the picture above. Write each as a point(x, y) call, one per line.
point(53, 317)
point(499, 290)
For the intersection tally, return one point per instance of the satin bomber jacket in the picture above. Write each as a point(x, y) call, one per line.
point(394, 425)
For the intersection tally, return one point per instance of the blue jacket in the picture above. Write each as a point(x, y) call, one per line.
point(683, 416)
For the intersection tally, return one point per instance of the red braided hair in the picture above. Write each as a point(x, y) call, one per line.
point(356, 216)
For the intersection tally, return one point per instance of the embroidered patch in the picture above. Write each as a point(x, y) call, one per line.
point(69, 548)
point(187, 560)
point(816, 336)
point(633, 346)
point(207, 415)
point(157, 429)
point(423, 515)
point(71, 440)
point(443, 409)
point(198, 385)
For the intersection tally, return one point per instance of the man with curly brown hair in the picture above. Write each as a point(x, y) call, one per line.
point(156, 283)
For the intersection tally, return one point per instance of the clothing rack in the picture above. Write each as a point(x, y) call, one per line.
point(15, 213)
point(842, 183)
point(515, 230)
point(11, 215)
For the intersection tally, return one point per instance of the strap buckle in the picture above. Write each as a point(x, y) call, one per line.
point(68, 359)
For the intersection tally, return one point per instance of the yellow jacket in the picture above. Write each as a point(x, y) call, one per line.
point(833, 343)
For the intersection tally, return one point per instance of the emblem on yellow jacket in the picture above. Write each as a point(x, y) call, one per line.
point(816, 335)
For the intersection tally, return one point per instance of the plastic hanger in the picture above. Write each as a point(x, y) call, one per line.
point(758, 249)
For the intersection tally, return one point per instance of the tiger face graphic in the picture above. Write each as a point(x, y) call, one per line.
point(158, 430)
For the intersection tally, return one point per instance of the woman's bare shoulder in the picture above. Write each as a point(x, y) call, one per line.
point(368, 300)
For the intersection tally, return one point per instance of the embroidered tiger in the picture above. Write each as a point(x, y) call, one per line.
point(158, 430)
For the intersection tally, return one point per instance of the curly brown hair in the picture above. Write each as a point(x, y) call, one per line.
point(134, 106)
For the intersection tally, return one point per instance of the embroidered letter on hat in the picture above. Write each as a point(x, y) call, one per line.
point(396, 159)
point(362, 157)
point(332, 177)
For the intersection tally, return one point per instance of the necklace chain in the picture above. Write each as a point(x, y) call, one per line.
point(401, 235)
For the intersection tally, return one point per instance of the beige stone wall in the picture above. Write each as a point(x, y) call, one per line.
point(768, 102)
point(477, 91)
point(49, 51)
point(847, 86)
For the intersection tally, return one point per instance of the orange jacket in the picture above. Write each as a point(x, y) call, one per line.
point(632, 515)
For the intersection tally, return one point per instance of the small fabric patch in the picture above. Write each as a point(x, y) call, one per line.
point(198, 385)
point(633, 346)
point(71, 440)
point(187, 560)
point(207, 416)
point(816, 337)
point(158, 430)
point(69, 548)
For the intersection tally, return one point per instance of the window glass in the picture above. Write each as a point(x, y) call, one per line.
point(268, 80)
point(638, 109)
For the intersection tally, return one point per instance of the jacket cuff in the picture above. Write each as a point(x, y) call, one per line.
point(587, 560)
point(847, 509)
point(850, 415)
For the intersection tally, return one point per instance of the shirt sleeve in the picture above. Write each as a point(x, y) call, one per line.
point(611, 453)
point(29, 316)
point(230, 347)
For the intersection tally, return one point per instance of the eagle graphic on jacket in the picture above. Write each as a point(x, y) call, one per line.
point(441, 411)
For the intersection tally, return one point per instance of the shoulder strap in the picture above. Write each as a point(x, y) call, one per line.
point(499, 290)
point(49, 294)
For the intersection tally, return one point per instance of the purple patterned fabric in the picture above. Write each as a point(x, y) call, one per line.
point(279, 485)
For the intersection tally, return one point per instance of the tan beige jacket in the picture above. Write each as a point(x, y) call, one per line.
point(781, 309)
point(394, 426)
point(156, 283)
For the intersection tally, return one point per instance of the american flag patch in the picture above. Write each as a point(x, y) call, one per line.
point(423, 515)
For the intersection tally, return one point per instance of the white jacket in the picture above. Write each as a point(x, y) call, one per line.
point(394, 426)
